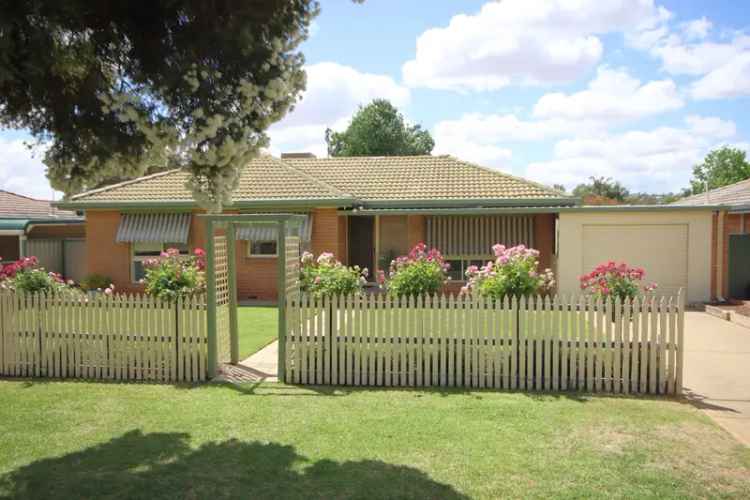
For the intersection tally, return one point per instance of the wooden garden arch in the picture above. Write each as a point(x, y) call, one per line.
point(221, 281)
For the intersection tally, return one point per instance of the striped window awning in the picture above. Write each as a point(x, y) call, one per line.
point(153, 228)
point(474, 235)
point(258, 231)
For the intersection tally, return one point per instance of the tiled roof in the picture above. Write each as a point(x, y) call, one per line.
point(16, 206)
point(265, 178)
point(392, 178)
point(733, 195)
point(366, 179)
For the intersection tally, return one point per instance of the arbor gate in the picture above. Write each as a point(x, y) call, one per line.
point(221, 277)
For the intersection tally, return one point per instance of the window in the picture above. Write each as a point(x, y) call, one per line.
point(457, 271)
point(265, 248)
point(145, 250)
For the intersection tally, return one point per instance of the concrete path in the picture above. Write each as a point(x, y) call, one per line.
point(261, 366)
point(717, 371)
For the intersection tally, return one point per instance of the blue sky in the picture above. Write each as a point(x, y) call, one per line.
point(555, 90)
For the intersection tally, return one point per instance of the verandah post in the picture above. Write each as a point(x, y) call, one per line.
point(234, 339)
point(211, 348)
point(281, 260)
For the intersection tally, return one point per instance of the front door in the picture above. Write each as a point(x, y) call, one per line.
point(361, 241)
point(739, 266)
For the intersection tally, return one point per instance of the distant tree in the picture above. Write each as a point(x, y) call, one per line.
point(378, 129)
point(651, 198)
point(559, 187)
point(721, 167)
point(602, 188)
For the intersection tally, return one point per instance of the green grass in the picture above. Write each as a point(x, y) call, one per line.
point(98, 440)
point(257, 328)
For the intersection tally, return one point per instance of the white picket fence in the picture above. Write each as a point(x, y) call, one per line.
point(118, 337)
point(562, 343)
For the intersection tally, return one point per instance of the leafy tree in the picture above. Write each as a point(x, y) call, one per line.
point(120, 87)
point(602, 187)
point(721, 167)
point(378, 129)
point(560, 188)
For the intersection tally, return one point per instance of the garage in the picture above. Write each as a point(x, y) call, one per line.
point(673, 246)
point(661, 249)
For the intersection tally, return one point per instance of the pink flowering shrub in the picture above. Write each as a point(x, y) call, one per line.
point(613, 280)
point(327, 277)
point(420, 272)
point(513, 273)
point(25, 275)
point(172, 275)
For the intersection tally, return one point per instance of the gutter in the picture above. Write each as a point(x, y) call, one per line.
point(526, 210)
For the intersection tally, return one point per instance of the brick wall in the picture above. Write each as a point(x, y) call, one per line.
point(103, 255)
point(257, 276)
point(416, 230)
point(544, 238)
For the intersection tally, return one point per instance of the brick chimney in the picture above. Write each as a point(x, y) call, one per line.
point(293, 156)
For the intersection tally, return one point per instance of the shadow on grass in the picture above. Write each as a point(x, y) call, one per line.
point(163, 465)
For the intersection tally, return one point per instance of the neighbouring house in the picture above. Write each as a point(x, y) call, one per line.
point(368, 210)
point(35, 227)
point(730, 238)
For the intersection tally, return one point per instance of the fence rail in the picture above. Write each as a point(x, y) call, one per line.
point(103, 337)
point(540, 344)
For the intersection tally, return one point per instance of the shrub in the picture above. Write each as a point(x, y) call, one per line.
point(421, 272)
point(172, 275)
point(326, 277)
point(513, 273)
point(95, 282)
point(612, 280)
point(25, 275)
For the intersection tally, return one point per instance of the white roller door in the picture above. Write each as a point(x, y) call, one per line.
point(661, 249)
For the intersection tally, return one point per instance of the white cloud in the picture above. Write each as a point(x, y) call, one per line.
point(613, 95)
point(483, 138)
point(523, 41)
point(334, 92)
point(697, 29)
point(653, 161)
point(723, 62)
point(22, 171)
point(730, 80)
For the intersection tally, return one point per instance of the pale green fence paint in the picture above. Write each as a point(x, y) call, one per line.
point(103, 337)
point(221, 279)
point(556, 343)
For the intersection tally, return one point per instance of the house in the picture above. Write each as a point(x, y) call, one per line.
point(368, 210)
point(35, 227)
point(730, 238)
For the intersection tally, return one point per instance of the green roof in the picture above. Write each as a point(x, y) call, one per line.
point(349, 181)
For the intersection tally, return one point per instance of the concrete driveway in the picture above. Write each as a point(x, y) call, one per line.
point(717, 371)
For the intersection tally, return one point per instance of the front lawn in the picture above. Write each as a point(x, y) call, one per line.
point(103, 440)
point(258, 327)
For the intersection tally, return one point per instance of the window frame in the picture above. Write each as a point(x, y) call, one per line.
point(183, 247)
point(249, 251)
point(466, 261)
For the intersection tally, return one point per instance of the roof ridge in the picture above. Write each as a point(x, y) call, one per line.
point(124, 183)
point(510, 176)
point(333, 189)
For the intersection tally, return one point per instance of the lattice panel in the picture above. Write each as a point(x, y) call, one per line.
point(221, 272)
point(291, 282)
